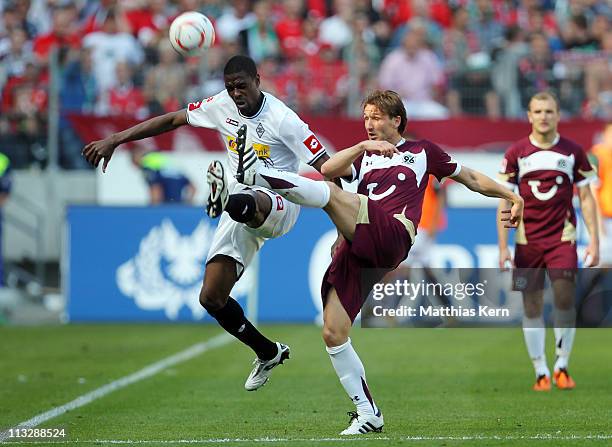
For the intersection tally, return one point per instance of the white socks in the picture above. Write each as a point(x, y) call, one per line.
point(294, 187)
point(350, 370)
point(565, 320)
point(535, 337)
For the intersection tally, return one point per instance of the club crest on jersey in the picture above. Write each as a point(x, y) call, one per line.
point(260, 130)
point(232, 122)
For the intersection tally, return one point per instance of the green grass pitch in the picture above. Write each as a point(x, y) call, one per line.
point(442, 387)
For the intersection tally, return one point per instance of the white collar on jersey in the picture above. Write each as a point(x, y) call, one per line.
point(539, 146)
point(263, 103)
point(400, 142)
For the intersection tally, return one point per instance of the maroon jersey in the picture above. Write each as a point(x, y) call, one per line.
point(398, 184)
point(545, 180)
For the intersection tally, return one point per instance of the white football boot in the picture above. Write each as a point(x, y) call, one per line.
point(361, 424)
point(217, 183)
point(263, 368)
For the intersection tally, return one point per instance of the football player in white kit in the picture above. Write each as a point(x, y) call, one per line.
point(281, 139)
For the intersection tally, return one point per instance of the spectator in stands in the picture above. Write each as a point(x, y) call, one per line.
point(598, 82)
point(15, 53)
point(576, 36)
point(78, 94)
point(469, 70)
point(416, 74)
point(234, 19)
point(124, 98)
point(505, 75)
point(96, 13)
point(149, 22)
point(109, 46)
point(336, 30)
point(63, 34)
point(14, 15)
point(488, 30)
point(535, 71)
point(259, 40)
point(420, 15)
point(5, 190)
point(326, 80)
point(289, 27)
point(165, 82)
point(309, 42)
point(167, 184)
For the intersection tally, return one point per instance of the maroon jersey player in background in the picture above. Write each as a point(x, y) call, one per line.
point(545, 167)
point(378, 223)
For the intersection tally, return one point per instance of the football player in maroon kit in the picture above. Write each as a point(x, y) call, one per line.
point(378, 223)
point(544, 167)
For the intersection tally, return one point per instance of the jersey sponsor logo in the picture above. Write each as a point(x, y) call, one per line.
point(544, 196)
point(232, 122)
point(262, 150)
point(547, 161)
point(312, 144)
point(260, 130)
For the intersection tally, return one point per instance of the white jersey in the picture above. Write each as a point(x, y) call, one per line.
point(280, 138)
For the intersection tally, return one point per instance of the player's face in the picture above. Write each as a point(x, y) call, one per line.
point(379, 125)
point(543, 116)
point(244, 91)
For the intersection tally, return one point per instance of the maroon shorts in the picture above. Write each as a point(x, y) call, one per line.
point(531, 261)
point(376, 249)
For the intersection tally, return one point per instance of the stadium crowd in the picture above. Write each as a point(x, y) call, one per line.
point(445, 58)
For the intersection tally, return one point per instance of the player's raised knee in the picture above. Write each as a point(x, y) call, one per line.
point(211, 300)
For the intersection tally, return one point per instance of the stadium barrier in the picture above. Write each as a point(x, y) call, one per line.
point(148, 263)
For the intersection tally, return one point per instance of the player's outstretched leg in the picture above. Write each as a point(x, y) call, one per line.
point(293, 187)
point(350, 370)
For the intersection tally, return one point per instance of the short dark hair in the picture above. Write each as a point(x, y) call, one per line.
point(390, 103)
point(240, 64)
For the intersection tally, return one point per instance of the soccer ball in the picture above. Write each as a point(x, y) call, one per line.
point(191, 33)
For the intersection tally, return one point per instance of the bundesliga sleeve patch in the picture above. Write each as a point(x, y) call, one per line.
point(313, 144)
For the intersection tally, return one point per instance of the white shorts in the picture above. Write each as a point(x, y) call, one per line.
point(605, 242)
point(241, 242)
point(420, 252)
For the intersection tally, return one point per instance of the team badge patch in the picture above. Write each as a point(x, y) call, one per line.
point(260, 130)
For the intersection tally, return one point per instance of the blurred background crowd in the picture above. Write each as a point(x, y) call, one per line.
point(445, 58)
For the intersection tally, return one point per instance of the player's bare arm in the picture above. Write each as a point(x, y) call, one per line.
point(486, 186)
point(589, 213)
point(505, 257)
point(340, 164)
point(99, 150)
